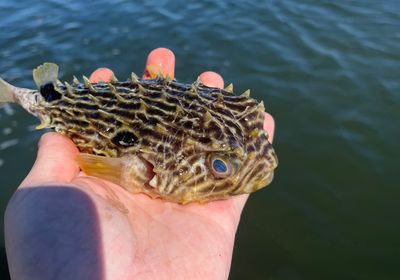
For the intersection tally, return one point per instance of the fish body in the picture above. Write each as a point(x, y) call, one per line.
point(180, 142)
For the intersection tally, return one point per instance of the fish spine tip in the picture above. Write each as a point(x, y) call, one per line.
point(134, 78)
point(88, 84)
point(229, 88)
point(113, 79)
point(75, 81)
point(246, 93)
point(68, 88)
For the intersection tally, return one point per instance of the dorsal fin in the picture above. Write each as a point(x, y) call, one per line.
point(45, 73)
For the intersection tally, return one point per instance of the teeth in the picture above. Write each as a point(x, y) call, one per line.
point(153, 182)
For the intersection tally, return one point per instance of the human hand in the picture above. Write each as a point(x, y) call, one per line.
point(62, 224)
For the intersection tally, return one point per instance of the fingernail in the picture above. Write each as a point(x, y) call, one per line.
point(212, 79)
point(160, 61)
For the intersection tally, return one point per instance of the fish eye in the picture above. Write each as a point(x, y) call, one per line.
point(220, 167)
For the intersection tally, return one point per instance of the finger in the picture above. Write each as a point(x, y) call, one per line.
point(101, 74)
point(269, 126)
point(160, 61)
point(212, 79)
point(55, 161)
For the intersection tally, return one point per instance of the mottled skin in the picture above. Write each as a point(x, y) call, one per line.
point(179, 129)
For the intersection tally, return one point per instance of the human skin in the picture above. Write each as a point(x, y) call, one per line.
point(62, 224)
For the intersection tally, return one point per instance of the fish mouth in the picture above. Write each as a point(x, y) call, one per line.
point(147, 170)
point(137, 174)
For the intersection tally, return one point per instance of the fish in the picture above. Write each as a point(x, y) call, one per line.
point(179, 142)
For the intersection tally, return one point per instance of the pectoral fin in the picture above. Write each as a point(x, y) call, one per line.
point(131, 172)
point(103, 167)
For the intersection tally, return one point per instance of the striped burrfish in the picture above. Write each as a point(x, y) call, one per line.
point(179, 142)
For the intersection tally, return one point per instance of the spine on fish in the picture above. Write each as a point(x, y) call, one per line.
point(6, 92)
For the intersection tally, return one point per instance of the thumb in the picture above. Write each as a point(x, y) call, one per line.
point(55, 161)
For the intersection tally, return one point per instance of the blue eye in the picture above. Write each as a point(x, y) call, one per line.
point(219, 166)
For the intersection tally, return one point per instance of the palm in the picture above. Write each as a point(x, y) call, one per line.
point(169, 239)
point(126, 236)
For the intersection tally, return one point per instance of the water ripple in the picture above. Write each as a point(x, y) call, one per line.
point(327, 70)
point(8, 143)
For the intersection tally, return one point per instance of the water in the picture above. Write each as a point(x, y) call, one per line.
point(329, 72)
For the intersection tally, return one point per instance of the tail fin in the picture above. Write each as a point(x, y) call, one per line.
point(6, 92)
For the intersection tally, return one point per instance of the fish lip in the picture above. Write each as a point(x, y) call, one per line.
point(150, 174)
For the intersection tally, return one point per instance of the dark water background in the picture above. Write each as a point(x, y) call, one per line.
point(327, 70)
